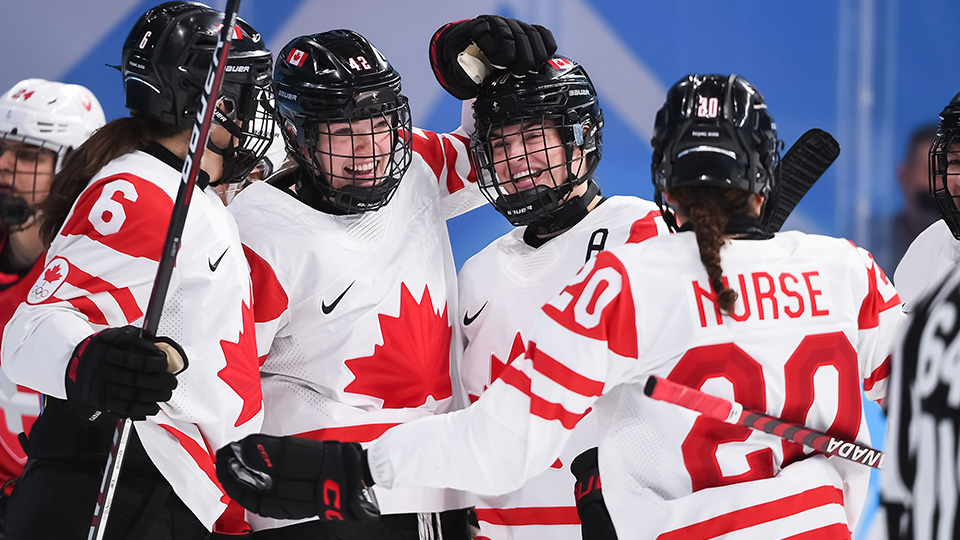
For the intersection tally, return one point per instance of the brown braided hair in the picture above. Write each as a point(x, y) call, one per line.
point(117, 138)
point(708, 210)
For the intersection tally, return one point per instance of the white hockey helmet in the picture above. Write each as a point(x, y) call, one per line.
point(51, 115)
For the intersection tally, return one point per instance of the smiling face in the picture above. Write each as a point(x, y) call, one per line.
point(531, 153)
point(26, 170)
point(354, 153)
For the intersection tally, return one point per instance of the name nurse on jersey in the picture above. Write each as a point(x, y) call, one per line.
point(765, 296)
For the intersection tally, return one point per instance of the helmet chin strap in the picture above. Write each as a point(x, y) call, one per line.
point(571, 212)
point(229, 152)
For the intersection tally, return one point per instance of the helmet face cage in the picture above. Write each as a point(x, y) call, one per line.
point(944, 169)
point(250, 109)
point(343, 118)
point(27, 167)
point(527, 167)
point(537, 137)
point(714, 130)
point(357, 161)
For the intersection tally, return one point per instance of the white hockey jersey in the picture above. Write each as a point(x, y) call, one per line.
point(931, 255)
point(99, 273)
point(811, 331)
point(501, 290)
point(356, 313)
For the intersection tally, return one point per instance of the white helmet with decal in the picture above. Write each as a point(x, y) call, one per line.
point(51, 115)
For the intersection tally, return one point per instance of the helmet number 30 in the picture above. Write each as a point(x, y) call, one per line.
point(107, 214)
point(708, 107)
point(359, 63)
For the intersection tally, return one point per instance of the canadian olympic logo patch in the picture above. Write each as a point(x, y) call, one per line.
point(53, 275)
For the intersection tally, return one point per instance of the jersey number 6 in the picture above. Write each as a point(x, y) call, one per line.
point(107, 214)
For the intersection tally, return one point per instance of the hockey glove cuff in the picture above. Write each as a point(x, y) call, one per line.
point(295, 478)
point(509, 44)
point(118, 371)
point(594, 517)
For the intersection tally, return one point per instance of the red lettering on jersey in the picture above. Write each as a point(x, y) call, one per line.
point(269, 298)
point(93, 285)
point(699, 293)
point(792, 313)
point(756, 288)
point(767, 294)
point(139, 235)
point(242, 372)
point(814, 293)
point(744, 299)
point(617, 321)
point(644, 228)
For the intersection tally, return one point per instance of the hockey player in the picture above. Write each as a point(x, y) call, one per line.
point(936, 250)
point(77, 338)
point(30, 154)
point(772, 321)
point(354, 281)
point(537, 143)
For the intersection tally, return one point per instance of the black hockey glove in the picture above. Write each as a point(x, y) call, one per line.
point(594, 517)
point(509, 44)
point(295, 478)
point(118, 371)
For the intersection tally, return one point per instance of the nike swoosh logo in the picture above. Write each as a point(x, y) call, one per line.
point(468, 320)
point(327, 309)
point(214, 265)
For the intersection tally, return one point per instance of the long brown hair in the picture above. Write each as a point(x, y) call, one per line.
point(117, 138)
point(708, 210)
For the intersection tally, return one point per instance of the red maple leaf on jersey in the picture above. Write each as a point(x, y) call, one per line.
point(52, 274)
point(242, 372)
point(497, 366)
point(413, 364)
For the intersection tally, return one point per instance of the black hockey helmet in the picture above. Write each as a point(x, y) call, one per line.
point(560, 95)
point(944, 150)
point(165, 62)
point(715, 130)
point(343, 118)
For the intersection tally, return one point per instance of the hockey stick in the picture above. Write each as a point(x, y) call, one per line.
point(168, 258)
point(732, 412)
point(799, 169)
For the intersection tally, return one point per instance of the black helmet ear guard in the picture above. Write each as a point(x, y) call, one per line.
point(714, 130)
point(559, 96)
point(165, 61)
point(336, 87)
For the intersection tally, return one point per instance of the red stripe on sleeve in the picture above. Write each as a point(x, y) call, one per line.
point(537, 515)
point(93, 284)
point(122, 212)
point(429, 147)
point(758, 514)
point(89, 309)
point(539, 406)
point(200, 456)
point(269, 298)
point(878, 375)
point(561, 374)
point(361, 433)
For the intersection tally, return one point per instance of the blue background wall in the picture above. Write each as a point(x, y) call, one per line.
point(867, 71)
